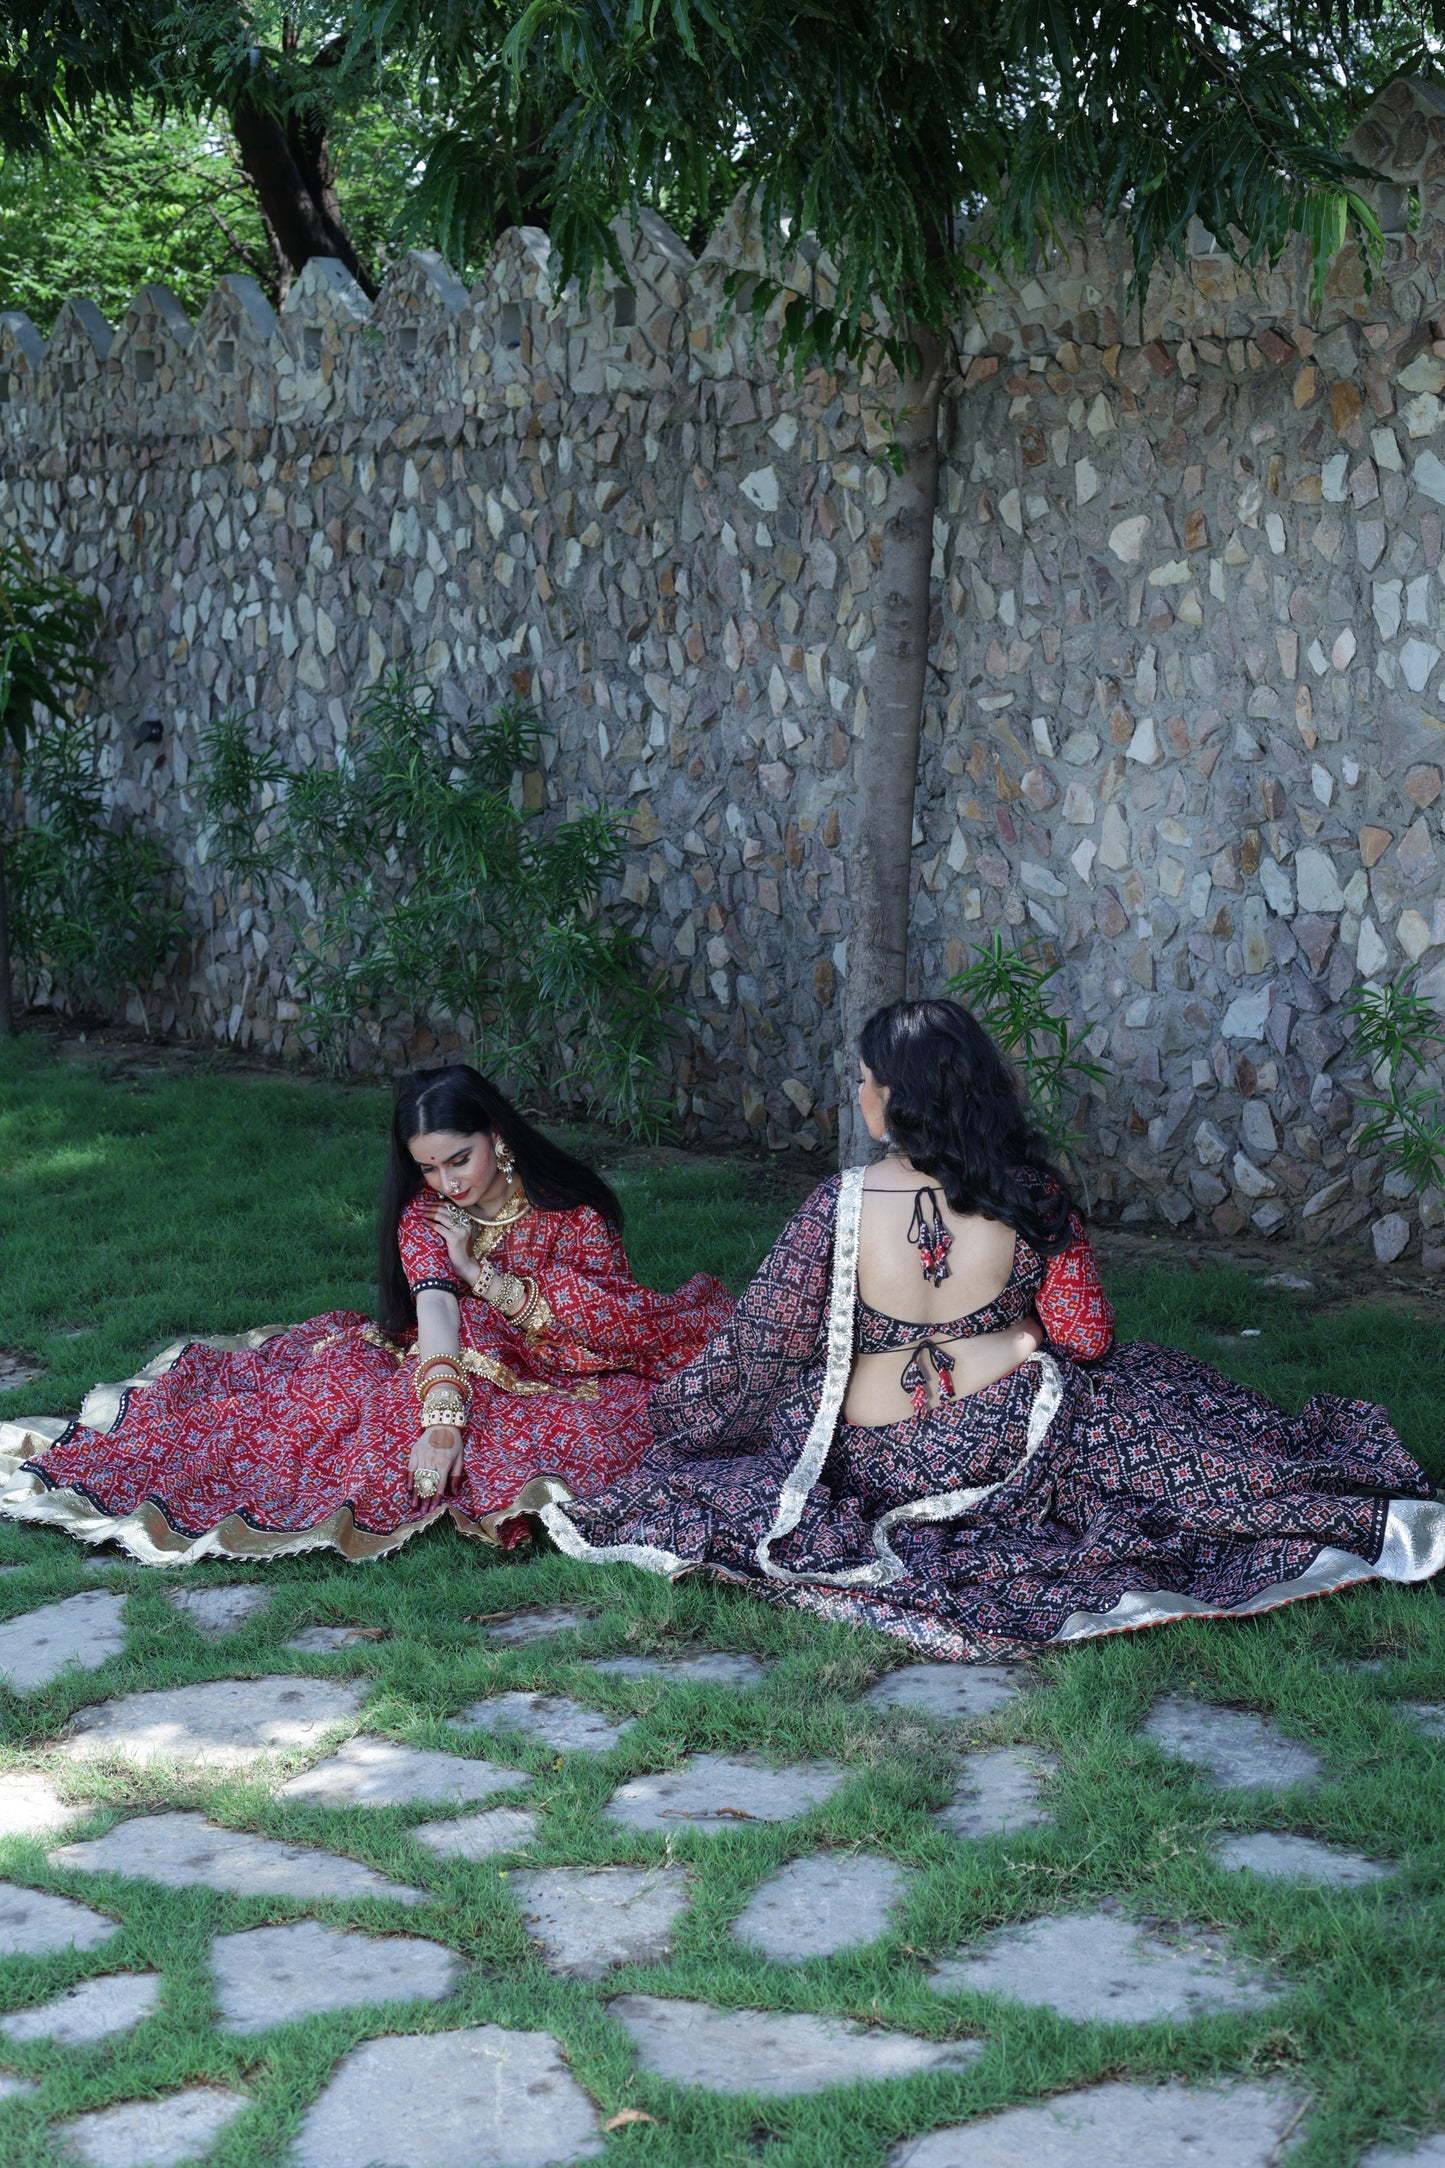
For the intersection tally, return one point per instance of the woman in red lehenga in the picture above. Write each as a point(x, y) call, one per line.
point(514, 1344)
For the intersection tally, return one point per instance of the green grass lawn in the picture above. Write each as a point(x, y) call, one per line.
point(132, 1211)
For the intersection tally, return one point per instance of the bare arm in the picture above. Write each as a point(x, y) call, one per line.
point(438, 1332)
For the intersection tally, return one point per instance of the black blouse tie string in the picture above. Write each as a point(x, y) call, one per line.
point(928, 1235)
point(915, 1378)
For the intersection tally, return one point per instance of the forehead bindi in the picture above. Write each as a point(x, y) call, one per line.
point(438, 1148)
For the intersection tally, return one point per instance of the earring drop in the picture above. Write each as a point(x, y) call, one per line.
point(505, 1162)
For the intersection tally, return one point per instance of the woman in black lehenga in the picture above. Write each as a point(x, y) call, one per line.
point(917, 1417)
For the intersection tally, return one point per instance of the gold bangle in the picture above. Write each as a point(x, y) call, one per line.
point(448, 1408)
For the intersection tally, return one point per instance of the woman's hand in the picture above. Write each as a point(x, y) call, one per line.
point(457, 1238)
point(438, 1449)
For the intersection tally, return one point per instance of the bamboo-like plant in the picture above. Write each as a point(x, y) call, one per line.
point(411, 879)
point(48, 632)
point(1395, 1027)
point(1005, 990)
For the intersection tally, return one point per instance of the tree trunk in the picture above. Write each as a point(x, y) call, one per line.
point(7, 1013)
point(287, 159)
point(880, 868)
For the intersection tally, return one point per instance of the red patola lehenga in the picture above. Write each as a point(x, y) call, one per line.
point(292, 1440)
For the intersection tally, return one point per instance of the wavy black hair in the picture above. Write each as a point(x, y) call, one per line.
point(956, 1108)
point(460, 1100)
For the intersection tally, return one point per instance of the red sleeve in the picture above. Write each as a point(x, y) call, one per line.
point(424, 1256)
point(1072, 1306)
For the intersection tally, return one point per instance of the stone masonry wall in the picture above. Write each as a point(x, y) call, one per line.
point(1187, 644)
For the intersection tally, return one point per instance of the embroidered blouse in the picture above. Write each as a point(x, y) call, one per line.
point(1064, 1293)
point(597, 1318)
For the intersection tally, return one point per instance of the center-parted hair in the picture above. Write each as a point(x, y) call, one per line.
point(460, 1101)
point(957, 1109)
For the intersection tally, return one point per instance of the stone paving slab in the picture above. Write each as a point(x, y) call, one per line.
point(15, 2088)
point(272, 1975)
point(708, 1667)
point(152, 2133)
point(1300, 1859)
point(585, 1920)
point(1429, 1715)
point(226, 1724)
point(997, 1793)
point(1238, 1750)
point(30, 1805)
point(478, 1836)
point(484, 2098)
point(33, 1922)
point(952, 1691)
point(94, 2010)
point(38, 1645)
point(718, 1791)
point(182, 1851)
point(217, 1611)
point(760, 2051)
point(378, 1773)
point(524, 1626)
point(1098, 1968)
point(564, 1725)
point(1157, 2126)
point(816, 1906)
point(1429, 2153)
point(326, 1640)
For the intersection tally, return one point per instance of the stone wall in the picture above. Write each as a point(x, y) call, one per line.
point(1187, 642)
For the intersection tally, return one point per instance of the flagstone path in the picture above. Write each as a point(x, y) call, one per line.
point(375, 1773)
point(85, 1630)
point(1300, 1859)
point(482, 2098)
point(274, 1974)
point(224, 1725)
point(551, 1719)
point(457, 2095)
point(1157, 2126)
point(1097, 1968)
point(215, 1612)
point(997, 1793)
point(152, 2133)
point(1239, 1751)
point(585, 1921)
point(821, 1904)
point(758, 2051)
point(184, 1851)
point(717, 1791)
point(95, 2010)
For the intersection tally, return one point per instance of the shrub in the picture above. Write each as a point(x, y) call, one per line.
point(413, 878)
point(1005, 990)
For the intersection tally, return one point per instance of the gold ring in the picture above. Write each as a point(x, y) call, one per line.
point(427, 1482)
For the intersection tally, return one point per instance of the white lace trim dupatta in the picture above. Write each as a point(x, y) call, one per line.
point(886, 1566)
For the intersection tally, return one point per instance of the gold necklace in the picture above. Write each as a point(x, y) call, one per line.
point(517, 1206)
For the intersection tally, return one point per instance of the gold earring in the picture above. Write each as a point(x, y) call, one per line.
point(505, 1161)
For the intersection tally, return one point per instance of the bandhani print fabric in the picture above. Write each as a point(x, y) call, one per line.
point(1095, 1489)
point(298, 1439)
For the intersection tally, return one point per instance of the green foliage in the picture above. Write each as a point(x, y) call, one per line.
point(48, 632)
point(118, 205)
point(923, 147)
point(93, 900)
point(1006, 992)
point(1395, 1028)
point(422, 884)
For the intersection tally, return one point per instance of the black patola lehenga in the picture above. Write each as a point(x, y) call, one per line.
point(1096, 1488)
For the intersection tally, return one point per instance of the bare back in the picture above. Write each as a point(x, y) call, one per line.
point(891, 1280)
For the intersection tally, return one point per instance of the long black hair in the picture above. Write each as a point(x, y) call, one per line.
point(956, 1108)
point(459, 1100)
